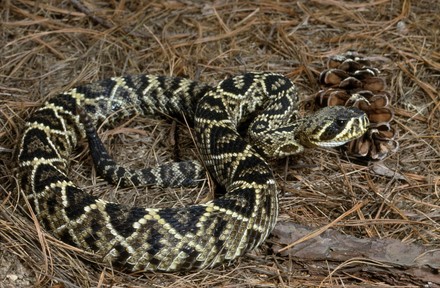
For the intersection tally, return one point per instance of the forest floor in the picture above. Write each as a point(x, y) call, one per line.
point(344, 221)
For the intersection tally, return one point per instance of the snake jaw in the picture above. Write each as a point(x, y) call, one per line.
point(333, 126)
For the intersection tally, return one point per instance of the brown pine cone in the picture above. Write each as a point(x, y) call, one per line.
point(350, 80)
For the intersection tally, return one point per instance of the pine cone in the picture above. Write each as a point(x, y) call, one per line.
point(350, 80)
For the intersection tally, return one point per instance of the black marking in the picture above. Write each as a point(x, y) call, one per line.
point(169, 85)
point(254, 238)
point(225, 140)
point(25, 179)
point(189, 174)
point(122, 219)
point(48, 118)
point(148, 175)
point(134, 180)
point(333, 129)
point(154, 261)
point(107, 172)
point(211, 108)
point(36, 146)
point(174, 83)
point(120, 172)
point(65, 101)
point(163, 84)
point(154, 240)
point(252, 169)
point(46, 223)
point(277, 84)
point(96, 226)
point(259, 126)
point(98, 232)
point(98, 89)
point(67, 238)
point(152, 95)
point(183, 220)
point(167, 175)
point(279, 106)
point(234, 203)
point(51, 203)
point(219, 227)
point(139, 83)
point(230, 84)
point(219, 245)
point(46, 174)
point(245, 201)
point(191, 257)
point(199, 90)
point(62, 144)
point(124, 94)
point(91, 241)
point(92, 238)
point(76, 201)
point(123, 266)
point(91, 109)
point(268, 202)
point(123, 254)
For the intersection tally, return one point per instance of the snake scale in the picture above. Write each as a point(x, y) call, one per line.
point(198, 236)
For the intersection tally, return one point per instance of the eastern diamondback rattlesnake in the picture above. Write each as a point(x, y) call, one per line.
point(174, 239)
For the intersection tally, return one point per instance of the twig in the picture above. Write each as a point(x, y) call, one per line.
point(78, 5)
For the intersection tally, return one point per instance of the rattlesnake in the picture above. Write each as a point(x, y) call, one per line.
point(174, 239)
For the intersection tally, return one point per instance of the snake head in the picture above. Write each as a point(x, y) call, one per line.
point(333, 126)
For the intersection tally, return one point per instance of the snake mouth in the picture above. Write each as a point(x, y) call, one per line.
point(331, 144)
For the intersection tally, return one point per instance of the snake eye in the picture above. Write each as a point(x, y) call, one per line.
point(341, 122)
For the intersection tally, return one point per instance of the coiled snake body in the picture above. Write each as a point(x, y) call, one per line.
point(174, 239)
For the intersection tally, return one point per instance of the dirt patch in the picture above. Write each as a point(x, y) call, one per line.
point(50, 46)
point(14, 273)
